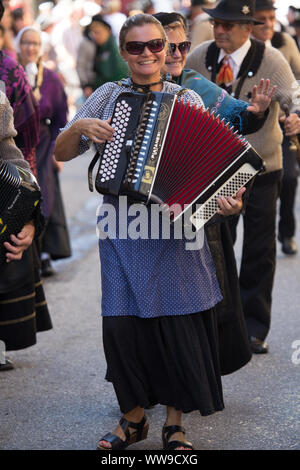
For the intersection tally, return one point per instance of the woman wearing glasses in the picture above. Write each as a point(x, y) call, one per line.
point(234, 354)
point(246, 119)
point(158, 299)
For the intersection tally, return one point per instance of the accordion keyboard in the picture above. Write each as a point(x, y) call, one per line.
point(112, 152)
point(210, 207)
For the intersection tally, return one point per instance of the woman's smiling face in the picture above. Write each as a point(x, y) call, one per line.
point(175, 62)
point(145, 67)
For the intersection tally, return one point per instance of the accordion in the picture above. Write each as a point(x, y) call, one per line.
point(19, 198)
point(175, 154)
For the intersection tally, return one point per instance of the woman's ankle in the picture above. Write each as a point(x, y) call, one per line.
point(174, 417)
point(135, 415)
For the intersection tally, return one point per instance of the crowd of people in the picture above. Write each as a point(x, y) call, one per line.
point(163, 341)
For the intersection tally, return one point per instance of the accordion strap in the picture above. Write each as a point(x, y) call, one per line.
point(90, 170)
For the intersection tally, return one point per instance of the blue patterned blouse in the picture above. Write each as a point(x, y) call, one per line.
point(147, 276)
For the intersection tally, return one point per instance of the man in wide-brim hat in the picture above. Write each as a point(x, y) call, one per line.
point(234, 15)
point(236, 61)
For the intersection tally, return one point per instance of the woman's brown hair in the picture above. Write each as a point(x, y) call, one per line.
point(139, 20)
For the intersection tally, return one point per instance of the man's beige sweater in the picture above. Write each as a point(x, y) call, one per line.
point(292, 54)
point(267, 141)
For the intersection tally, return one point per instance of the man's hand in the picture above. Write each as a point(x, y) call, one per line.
point(261, 98)
point(291, 124)
point(20, 242)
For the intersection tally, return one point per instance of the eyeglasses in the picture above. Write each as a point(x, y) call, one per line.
point(28, 44)
point(138, 47)
point(226, 26)
point(183, 47)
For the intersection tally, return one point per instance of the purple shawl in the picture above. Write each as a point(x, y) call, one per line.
point(25, 107)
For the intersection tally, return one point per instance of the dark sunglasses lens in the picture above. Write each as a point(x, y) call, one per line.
point(135, 47)
point(225, 26)
point(156, 45)
point(184, 47)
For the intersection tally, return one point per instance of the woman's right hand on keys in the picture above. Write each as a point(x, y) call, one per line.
point(95, 129)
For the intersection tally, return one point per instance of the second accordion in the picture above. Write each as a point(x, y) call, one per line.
point(175, 154)
point(20, 198)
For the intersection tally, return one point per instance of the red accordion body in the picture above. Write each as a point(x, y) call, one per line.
point(174, 153)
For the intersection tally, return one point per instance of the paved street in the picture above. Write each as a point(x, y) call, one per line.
point(57, 397)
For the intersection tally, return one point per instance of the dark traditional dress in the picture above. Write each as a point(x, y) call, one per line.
point(233, 340)
point(158, 305)
point(53, 116)
point(23, 308)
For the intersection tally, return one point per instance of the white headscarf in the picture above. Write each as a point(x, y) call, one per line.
point(31, 68)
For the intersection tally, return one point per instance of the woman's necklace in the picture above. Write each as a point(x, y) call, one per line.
point(144, 88)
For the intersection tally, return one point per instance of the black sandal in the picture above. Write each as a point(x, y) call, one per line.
point(140, 433)
point(168, 432)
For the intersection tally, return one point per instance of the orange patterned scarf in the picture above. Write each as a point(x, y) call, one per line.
point(225, 76)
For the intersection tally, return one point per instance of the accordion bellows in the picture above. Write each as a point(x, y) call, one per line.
point(175, 154)
point(19, 197)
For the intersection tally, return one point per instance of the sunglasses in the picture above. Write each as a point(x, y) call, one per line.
point(183, 47)
point(225, 26)
point(138, 47)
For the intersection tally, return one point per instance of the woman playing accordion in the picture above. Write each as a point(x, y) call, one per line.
point(158, 299)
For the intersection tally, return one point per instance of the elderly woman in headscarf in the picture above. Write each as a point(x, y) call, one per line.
point(49, 93)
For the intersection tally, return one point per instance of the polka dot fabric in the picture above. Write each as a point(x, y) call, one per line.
point(149, 278)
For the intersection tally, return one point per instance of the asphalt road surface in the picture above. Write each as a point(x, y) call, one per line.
point(57, 397)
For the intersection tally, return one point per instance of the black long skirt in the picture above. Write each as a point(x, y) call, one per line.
point(23, 306)
point(55, 239)
point(172, 361)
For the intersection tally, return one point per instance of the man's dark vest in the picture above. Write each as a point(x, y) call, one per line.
point(249, 67)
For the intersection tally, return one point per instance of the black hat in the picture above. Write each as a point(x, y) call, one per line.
point(296, 21)
point(99, 19)
point(234, 10)
point(264, 5)
point(168, 18)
